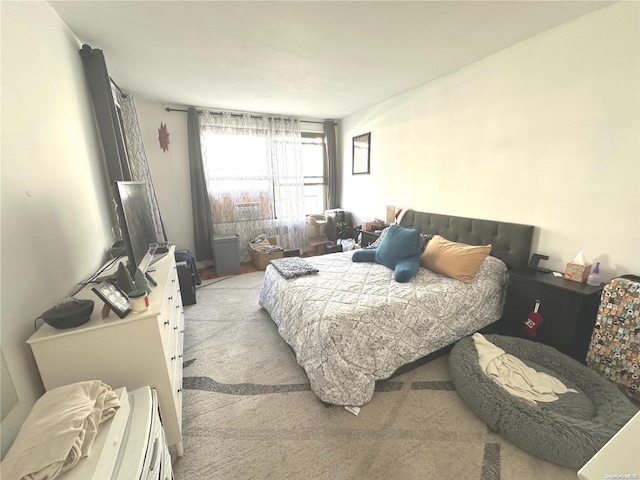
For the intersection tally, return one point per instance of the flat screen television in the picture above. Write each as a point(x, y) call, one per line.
point(136, 221)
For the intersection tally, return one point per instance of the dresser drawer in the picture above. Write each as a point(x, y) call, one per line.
point(171, 293)
point(177, 389)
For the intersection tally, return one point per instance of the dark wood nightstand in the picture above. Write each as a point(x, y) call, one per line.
point(569, 310)
point(368, 238)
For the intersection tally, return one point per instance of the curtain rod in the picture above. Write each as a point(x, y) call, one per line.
point(123, 93)
point(168, 109)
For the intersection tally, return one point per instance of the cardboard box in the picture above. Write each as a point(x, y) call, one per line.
point(373, 226)
point(577, 273)
point(261, 260)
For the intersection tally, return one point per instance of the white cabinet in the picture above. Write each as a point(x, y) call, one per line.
point(619, 456)
point(130, 445)
point(139, 350)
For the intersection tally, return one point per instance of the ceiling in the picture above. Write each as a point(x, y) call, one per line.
point(312, 59)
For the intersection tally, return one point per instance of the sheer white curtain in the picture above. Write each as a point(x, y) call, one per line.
point(254, 177)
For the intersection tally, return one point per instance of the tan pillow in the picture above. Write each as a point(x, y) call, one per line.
point(455, 260)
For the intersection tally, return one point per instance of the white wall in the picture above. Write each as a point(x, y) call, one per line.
point(546, 132)
point(56, 221)
point(169, 170)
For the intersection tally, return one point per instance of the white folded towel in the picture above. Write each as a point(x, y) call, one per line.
point(515, 376)
point(59, 431)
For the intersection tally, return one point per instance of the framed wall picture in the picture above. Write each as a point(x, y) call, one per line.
point(361, 154)
point(113, 297)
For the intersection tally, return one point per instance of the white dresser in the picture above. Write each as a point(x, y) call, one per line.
point(142, 349)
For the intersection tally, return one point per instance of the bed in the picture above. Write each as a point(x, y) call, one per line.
point(351, 324)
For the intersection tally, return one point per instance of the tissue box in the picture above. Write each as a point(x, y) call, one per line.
point(576, 272)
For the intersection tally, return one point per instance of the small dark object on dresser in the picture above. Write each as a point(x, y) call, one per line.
point(69, 313)
point(535, 259)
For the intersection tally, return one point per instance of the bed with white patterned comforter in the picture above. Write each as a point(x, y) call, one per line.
point(352, 324)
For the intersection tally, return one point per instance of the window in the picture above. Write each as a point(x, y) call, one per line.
point(241, 187)
point(254, 176)
point(313, 159)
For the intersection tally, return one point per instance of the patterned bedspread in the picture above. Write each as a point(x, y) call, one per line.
point(352, 324)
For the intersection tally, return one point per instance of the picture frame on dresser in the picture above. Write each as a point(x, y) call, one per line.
point(115, 298)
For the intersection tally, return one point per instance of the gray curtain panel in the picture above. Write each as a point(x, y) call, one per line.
point(332, 165)
point(201, 208)
point(119, 129)
point(137, 157)
point(104, 107)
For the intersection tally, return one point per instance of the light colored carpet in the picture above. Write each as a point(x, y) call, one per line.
point(248, 412)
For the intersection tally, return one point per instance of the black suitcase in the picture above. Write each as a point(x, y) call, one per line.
point(187, 283)
point(188, 276)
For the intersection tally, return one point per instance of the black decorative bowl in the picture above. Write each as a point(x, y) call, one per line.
point(69, 313)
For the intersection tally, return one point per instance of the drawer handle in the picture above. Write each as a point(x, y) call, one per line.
point(173, 358)
point(175, 328)
point(166, 322)
point(181, 331)
point(179, 390)
point(170, 298)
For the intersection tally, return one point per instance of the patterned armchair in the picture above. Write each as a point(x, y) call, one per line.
point(614, 350)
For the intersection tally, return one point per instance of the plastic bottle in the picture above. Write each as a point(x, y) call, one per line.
point(594, 277)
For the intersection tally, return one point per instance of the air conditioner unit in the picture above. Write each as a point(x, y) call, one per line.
point(244, 211)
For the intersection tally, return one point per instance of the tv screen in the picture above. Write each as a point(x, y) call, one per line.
point(136, 221)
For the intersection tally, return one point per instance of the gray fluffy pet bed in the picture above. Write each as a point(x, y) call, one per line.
point(568, 431)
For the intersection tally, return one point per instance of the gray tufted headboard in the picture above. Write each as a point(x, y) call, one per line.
point(511, 242)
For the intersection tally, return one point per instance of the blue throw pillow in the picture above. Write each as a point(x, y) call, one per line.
point(399, 250)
